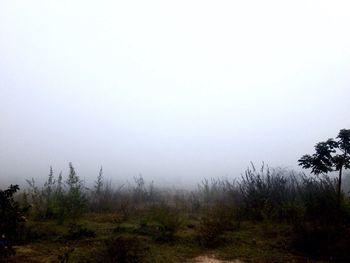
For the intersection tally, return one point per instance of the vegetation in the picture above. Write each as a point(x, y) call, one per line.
point(268, 215)
point(331, 155)
point(12, 217)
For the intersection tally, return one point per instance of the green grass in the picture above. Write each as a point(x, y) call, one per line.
point(251, 242)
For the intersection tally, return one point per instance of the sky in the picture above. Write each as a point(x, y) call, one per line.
point(176, 91)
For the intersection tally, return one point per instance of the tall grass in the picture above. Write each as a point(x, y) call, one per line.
point(259, 194)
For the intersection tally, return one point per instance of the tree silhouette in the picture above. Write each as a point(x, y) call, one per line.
point(331, 155)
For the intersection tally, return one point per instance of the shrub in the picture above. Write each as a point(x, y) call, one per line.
point(168, 222)
point(323, 225)
point(12, 216)
point(76, 201)
point(36, 200)
point(57, 199)
point(214, 222)
point(126, 249)
point(220, 190)
point(322, 202)
point(265, 192)
point(102, 198)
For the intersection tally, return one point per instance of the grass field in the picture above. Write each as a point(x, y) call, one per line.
point(87, 241)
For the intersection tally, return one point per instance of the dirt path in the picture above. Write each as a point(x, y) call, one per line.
point(210, 259)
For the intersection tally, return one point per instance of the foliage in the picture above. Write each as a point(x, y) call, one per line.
point(220, 190)
point(102, 198)
point(211, 216)
point(126, 249)
point(57, 199)
point(75, 198)
point(331, 155)
point(214, 222)
point(264, 193)
point(320, 198)
point(12, 216)
point(168, 222)
point(140, 191)
point(99, 182)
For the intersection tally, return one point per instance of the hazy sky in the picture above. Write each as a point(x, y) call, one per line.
point(174, 90)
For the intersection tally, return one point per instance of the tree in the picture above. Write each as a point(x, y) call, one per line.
point(331, 155)
point(99, 183)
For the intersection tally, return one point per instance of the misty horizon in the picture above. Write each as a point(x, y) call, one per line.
point(176, 92)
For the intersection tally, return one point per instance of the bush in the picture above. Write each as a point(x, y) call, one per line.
point(126, 249)
point(168, 222)
point(323, 227)
point(75, 197)
point(265, 192)
point(322, 202)
point(101, 198)
point(57, 199)
point(214, 222)
point(219, 190)
point(12, 217)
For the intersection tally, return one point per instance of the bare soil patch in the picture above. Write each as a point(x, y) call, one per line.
point(211, 259)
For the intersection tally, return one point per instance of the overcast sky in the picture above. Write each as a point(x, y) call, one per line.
point(174, 90)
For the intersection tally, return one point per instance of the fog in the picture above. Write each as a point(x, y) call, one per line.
point(173, 90)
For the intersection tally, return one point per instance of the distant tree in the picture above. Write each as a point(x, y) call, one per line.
point(59, 188)
point(48, 194)
point(73, 182)
point(50, 183)
point(75, 198)
point(331, 155)
point(99, 182)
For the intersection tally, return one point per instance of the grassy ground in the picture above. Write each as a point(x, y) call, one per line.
point(88, 240)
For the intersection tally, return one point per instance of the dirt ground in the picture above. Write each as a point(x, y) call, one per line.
point(211, 259)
